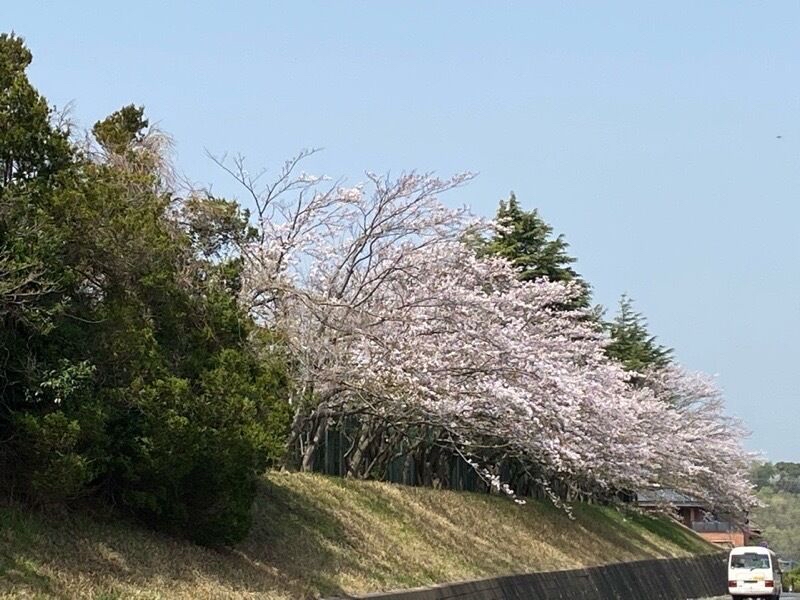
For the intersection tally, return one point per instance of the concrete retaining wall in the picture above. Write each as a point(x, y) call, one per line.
point(671, 579)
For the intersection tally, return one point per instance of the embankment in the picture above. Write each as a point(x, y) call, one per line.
point(323, 536)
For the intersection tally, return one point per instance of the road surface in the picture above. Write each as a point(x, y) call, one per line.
point(784, 596)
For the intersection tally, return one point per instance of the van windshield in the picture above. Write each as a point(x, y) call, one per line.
point(750, 560)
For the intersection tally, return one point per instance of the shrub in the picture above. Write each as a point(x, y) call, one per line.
point(189, 460)
point(128, 370)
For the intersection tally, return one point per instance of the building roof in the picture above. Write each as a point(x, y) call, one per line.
point(663, 496)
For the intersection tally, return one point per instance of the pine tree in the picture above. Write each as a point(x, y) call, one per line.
point(631, 342)
point(527, 241)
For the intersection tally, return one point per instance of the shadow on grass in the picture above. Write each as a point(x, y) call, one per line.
point(20, 571)
point(311, 535)
point(624, 530)
point(666, 530)
point(297, 537)
point(287, 555)
point(352, 529)
point(17, 573)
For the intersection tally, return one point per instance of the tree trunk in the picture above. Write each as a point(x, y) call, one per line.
point(311, 448)
point(366, 436)
point(385, 454)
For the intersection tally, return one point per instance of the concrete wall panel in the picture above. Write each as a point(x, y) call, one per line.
point(670, 579)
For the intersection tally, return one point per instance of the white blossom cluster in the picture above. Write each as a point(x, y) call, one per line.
point(388, 311)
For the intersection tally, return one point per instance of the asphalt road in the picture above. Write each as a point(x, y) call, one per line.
point(784, 596)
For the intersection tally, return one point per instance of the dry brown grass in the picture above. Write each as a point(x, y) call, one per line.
point(317, 535)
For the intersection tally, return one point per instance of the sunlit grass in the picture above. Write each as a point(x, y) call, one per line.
point(317, 535)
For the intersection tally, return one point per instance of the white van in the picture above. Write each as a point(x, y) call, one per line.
point(753, 572)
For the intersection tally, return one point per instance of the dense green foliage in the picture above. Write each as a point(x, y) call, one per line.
point(778, 488)
point(128, 371)
point(631, 343)
point(525, 239)
point(779, 520)
point(791, 580)
point(782, 476)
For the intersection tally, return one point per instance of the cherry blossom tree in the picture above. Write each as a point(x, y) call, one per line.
point(703, 455)
point(392, 319)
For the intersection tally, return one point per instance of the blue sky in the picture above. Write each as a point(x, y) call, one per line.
point(645, 132)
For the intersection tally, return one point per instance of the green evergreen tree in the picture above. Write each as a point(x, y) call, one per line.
point(35, 155)
point(128, 370)
point(631, 343)
point(525, 239)
point(31, 147)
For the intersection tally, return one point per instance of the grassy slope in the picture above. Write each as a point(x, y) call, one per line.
point(316, 534)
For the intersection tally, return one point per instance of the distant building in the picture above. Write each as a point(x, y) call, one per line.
point(694, 515)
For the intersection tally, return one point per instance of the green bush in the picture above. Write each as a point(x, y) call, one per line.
point(189, 461)
point(48, 464)
point(128, 370)
point(791, 580)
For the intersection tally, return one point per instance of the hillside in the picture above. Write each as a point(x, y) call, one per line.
point(779, 520)
point(321, 535)
point(778, 488)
